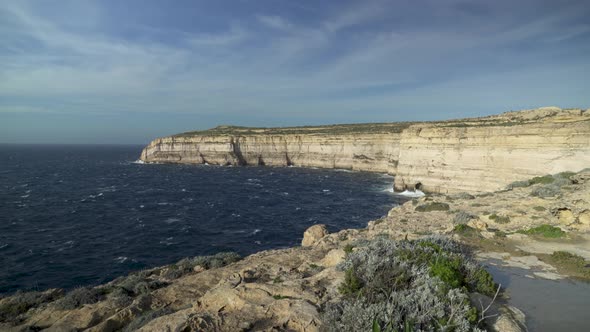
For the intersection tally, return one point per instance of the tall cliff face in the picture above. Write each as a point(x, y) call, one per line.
point(373, 153)
point(475, 155)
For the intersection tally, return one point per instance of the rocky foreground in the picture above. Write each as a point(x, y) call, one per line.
point(403, 271)
point(473, 155)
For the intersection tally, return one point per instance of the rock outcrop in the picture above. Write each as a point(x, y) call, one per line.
point(475, 155)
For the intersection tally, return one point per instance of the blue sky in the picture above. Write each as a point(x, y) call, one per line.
point(128, 71)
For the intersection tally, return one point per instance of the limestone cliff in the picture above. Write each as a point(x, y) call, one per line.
point(481, 154)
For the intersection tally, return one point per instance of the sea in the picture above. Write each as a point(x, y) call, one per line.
point(78, 215)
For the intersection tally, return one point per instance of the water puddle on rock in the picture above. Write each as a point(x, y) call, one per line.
point(549, 305)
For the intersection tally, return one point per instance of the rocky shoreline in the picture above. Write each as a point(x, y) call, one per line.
point(291, 289)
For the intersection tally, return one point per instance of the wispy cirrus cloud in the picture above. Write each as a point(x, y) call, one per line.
point(328, 62)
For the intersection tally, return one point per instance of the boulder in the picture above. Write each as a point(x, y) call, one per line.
point(333, 257)
point(584, 217)
point(313, 235)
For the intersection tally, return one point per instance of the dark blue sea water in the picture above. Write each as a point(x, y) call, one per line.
point(81, 215)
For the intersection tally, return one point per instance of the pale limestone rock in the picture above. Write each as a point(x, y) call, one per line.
point(511, 319)
point(313, 235)
point(478, 224)
point(333, 257)
point(584, 217)
point(566, 217)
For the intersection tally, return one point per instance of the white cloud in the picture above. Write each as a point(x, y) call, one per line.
point(275, 22)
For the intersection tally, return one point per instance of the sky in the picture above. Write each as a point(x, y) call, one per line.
point(111, 71)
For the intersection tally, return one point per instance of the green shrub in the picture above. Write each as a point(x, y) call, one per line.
point(351, 284)
point(434, 206)
point(448, 271)
point(539, 208)
point(482, 281)
point(544, 230)
point(348, 248)
point(546, 179)
point(499, 219)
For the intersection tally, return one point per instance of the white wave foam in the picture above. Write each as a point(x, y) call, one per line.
point(407, 193)
point(121, 259)
point(171, 220)
point(138, 161)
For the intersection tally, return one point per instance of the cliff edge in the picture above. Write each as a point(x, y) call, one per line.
point(475, 155)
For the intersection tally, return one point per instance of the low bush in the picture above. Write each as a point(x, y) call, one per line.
point(463, 217)
point(499, 219)
point(348, 248)
point(187, 265)
point(419, 285)
point(545, 191)
point(434, 206)
point(19, 303)
point(467, 231)
point(519, 184)
point(544, 230)
point(79, 297)
point(546, 179)
point(539, 208)
point(565, 175)
point(569, 258)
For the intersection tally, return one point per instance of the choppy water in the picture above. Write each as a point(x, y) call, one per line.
point(79, 215)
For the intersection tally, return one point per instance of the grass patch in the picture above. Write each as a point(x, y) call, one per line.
point(544, 230)
point(539, 208)
point(340, 129)
point(574, 264)
point(434, 206)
